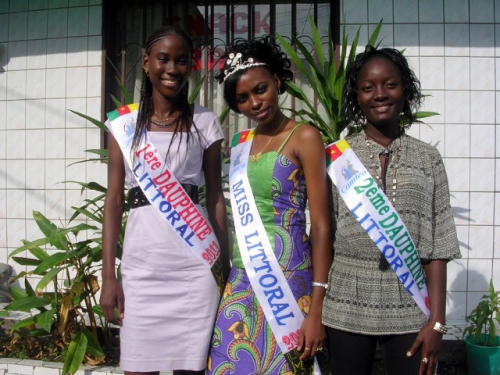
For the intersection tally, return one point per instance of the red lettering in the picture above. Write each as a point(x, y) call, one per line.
point(162, 178)
point(244, 27)
point(138, 152)
point(262, 23)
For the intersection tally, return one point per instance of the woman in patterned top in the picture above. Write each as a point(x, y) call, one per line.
point(367, 303)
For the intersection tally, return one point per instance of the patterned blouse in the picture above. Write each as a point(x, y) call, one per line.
point(362, 297)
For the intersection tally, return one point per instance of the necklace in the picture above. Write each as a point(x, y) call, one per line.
point(168, 122)
point(376, 164)
point(257, 156)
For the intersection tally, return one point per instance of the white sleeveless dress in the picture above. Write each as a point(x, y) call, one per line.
point(170, 297)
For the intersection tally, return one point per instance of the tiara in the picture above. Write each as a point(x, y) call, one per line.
point(235, 63)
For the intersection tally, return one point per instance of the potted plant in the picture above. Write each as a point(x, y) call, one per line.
point(481, 338)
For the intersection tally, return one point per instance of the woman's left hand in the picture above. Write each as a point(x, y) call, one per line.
point(312, 338)
point(430, 340)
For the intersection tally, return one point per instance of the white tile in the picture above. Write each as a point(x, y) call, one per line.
point(77, 105)
point(457, 75)
point(37, 24)
point(3, 86)
point(18, 26)
point(482, 209)
point(55, 144)
point(457, 107)
point(15, 204)
point(36, 79)
point(482, 11)
point(431, 39)
point(94, 137)
point(16, 174)
point(405, 11)
point(355, 12)
point(55, 113)
point(432, 77)
point(406, 37)
point(76, 172)
point(78, 18)
point(497, 109)
point(94, 80)
point(74, 198)
point(3, 143)
point(386, 36)
point(95, 2)
point(75, 143)
point(58, 23)
point(77, 51)
point(16, 114)
point(497, 175)
point(78, 3)
point(483, 81)
point(94, 55)
point(55, 173)
point(3, 176)
point(4, 27)
point(58, 3)
point(482, 40)
point(456, 37)
point(496, 274)
point(3, 241)
point(482, 141)
point(456, 275)
point(56, 53)
point(431, 11)
point(95, 20)
point(19, 5)
point(433, 134)
point(456, 11)
point(38, 4)
point(3, 115)
point(414, 64)
point(56, 83)
point(463, 240)
point(481, 243)
point(17, 55)
point(479, 274)
point(35, 144)
point(16, 144)
point(35, 178)
point(481, 106)
point(456, 306)
point(496, 248)
point(380, 9)
point(93, 110)
point(97, 172)
point(457, 141)
point(16, 85)
point(35, 200)
point(35, 112)
point(480, 175)
point(76, 82)
point(38, 54)
point(55, 206)
point(4, 6)
point(457, 170)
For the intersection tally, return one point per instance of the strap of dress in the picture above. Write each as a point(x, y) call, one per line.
point(288, 137)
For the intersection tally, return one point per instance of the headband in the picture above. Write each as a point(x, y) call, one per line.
point(235, 63)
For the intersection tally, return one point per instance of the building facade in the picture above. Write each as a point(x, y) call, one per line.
point(62, 55)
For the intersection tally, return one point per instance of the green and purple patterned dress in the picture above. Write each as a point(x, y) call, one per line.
point(243, 342)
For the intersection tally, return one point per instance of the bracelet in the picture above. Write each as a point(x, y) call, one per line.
point(441, 328)
point(323, 285)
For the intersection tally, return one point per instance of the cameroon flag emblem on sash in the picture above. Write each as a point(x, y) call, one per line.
point(334, 151)
point(241, 137)
point(122, 111)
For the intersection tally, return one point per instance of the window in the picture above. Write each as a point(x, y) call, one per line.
point(212, 25)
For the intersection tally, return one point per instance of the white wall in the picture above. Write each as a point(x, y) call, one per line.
point(453, 47)
point(50, 62)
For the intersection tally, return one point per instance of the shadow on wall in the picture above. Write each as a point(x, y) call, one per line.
point(4, 59)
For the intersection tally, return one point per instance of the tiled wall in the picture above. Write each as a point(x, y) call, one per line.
point(50, 62)
point(452, 46)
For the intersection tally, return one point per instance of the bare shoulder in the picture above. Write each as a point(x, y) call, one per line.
point(308, 133)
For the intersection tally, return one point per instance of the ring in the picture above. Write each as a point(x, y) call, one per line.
point(306, 348)
point(425, 359)
point(319, 348)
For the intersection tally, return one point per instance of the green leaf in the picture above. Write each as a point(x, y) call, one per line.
point(39, 253)
point(318, 46)
point(196, 90)
point(97, 309)
point(31, 245)
point(29, 289)
point(27, 303)
point(48, 228)
point(424, 114)
point(97, 123)
point(30, 320)
point(125, 93)
point(26, 261)
point(4, 314)
point(54, 260)
point(16, 293)
point(116, 101)
point(76, 352)
point(45, 318)
point(49, 276)
point(375, 34)
point(94, 349)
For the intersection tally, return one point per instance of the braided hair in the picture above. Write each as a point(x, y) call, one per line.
point(146, 104)
point(351, 112)
point(264, 50)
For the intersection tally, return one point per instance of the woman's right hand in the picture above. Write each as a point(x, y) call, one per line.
point(112, 297)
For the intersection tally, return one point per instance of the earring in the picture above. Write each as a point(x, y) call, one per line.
point(146, 72)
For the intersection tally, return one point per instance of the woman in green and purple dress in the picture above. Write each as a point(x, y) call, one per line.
point(284, 177)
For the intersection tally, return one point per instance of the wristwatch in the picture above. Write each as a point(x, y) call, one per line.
point(441, 328)
point(323, 285)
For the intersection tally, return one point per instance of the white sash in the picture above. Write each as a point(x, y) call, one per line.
point(162, 188)
point(375, 213)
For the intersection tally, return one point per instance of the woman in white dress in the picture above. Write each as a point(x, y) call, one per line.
point(167, 298)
